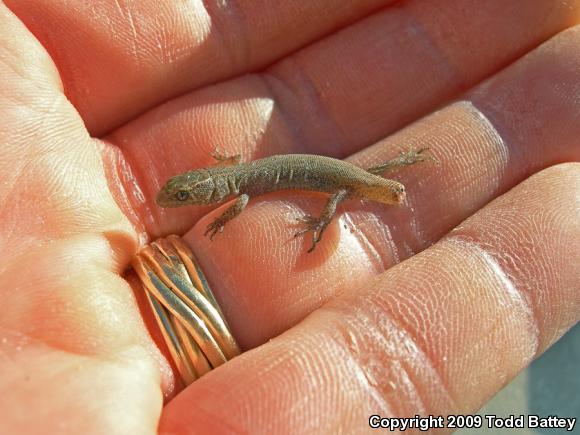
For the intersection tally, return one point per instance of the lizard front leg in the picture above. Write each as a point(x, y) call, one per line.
point(223, 160)
point(231, 212)
point(405, 159)
point(318, 225)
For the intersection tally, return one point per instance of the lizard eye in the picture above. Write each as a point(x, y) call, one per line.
point(182, 195)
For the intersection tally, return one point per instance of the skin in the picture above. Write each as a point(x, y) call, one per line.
point(341, 179)
point(429, 307)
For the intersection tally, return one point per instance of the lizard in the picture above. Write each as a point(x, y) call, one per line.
point(230, 178)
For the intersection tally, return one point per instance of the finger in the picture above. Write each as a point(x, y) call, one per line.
point(480, 157)
point(439, 334)
point(74, 354)
point(306, 104)
point(118, 58)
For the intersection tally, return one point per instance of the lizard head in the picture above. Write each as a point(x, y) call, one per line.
point(192, 188)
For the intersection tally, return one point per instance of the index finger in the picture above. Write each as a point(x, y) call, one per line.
point(120, 58)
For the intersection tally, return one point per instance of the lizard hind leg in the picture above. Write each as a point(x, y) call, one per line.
point(318, 225)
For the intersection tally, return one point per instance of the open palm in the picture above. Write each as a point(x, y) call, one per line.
point(100, 102)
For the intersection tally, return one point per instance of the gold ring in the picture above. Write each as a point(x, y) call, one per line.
point(188, 315)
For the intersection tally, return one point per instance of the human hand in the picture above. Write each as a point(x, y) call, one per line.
point(460, 314)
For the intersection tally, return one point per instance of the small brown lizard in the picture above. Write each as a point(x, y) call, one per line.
point(230, 178)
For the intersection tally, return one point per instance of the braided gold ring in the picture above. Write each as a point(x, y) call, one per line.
point(188, 315)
